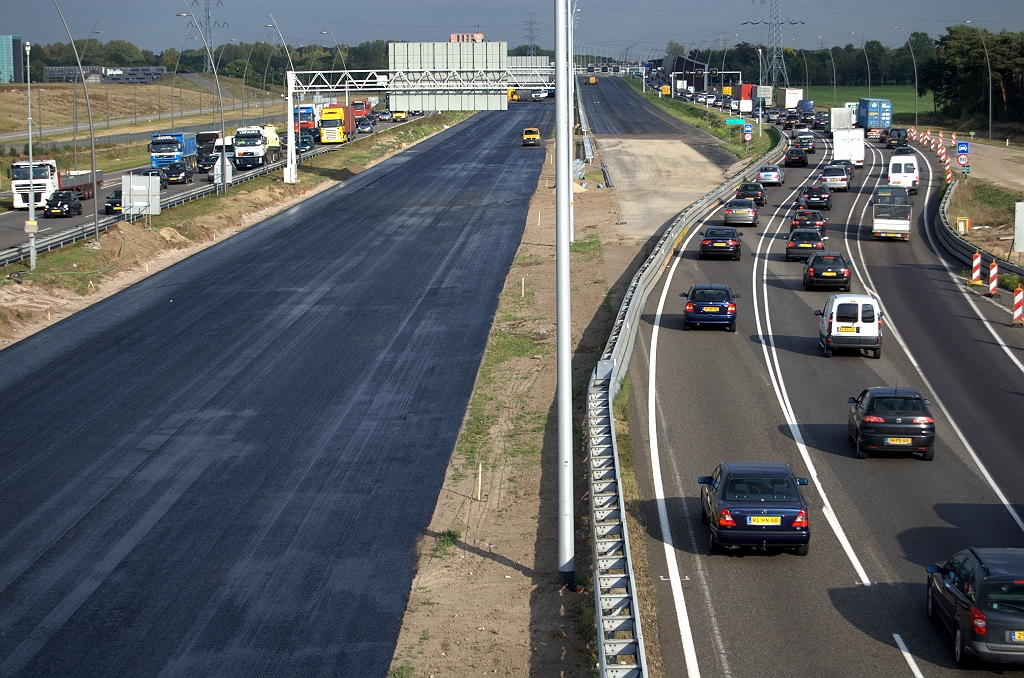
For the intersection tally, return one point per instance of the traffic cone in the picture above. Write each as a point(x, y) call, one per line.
point(1018, 307)
point(976, 270)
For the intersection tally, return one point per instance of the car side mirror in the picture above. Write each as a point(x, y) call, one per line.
point(682, 294)
point(849, 400)
point(701, 233)
point(933, 569)
point(927, 402)
point(824, 218)
point(704, 480)
point(817, 313)
point(740, 233)
point(825, 237)
point(736, 296)
point(801, 481)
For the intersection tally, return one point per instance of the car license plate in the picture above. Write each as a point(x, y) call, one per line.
point(847, 329)
point(897, 441)
point(55, 211)
point(804, 244)
point(1017, 636)
point(764, 520)
point(711, 309)
point(829, 274)
point(892, 235)
point(720, 244)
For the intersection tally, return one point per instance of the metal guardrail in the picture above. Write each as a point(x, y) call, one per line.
point(960, 248)
point(620, 638)
point(588, 142)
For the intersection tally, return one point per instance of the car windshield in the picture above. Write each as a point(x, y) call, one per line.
point(247, 140)
point(769, 169)
point(719, 233)
point(1006, 597)
point(330, 123)
point(709, 295)
point(176, 167)
point(828, 261)
point(116, 195)
point(805, 236)
point(760, 489)
point(897, 405)
point(166, 147)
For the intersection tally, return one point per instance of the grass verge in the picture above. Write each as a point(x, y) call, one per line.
point(990, 208)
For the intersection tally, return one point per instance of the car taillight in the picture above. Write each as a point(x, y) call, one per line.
point(805, 195)
point(689, 307)
point(731, 308)
point(795, 222)
point(728, 211)
point(846, 271)
point(819, 245)
point(725, 519)
point(873, 419)
point(705, 242)
point(923, 420)
point(791, 244)
point(801, 519)
point(978, 621)
point(734, 243)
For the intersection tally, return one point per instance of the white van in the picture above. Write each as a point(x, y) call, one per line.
point(851, 321)
point(903, 172)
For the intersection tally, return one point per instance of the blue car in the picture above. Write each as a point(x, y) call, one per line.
point(710, 304)
point(749, 504)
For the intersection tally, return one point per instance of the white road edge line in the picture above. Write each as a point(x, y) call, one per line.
point(782, 395)
point(676, 584)
point(909, 657)
point(869, 284)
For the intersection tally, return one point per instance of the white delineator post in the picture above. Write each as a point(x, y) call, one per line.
point(290, 170)
point(563, 337)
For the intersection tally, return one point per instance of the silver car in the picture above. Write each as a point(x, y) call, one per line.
point(835, 178)
point(740, 211)
point(771, 175)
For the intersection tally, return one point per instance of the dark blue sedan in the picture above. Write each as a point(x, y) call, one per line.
point(710, 304)
point(755, 505)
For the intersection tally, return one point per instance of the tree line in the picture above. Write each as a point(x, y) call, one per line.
point(953, 67)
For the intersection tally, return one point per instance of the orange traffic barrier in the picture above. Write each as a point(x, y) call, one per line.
point(1018, 307)
point(976, 269)
point(993, 278)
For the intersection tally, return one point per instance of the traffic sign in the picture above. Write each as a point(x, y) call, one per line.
point(748, 128)
point(735, 121)
point(963, 147)
point(967, 169)
point(747, 136)
point(962, 160)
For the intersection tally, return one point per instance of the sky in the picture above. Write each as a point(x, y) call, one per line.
point(605, 26)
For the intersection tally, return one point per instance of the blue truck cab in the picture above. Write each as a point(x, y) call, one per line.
point(169, 147)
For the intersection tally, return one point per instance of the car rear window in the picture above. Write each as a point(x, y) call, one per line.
point(807, 235)
point(741, 204)
point(828, 261)
point(897, 405)
point(846, 313)
point(760, 489)
point(750, 187)
point(719, 233)
point(1006, 597)
point(834, 172)
point(768, 168)
point(709, 295)
point(867, 313)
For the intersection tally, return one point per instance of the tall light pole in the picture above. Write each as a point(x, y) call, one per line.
point(31, 227)
point(563, 192)
point(175, 76)
point(337, 51)
point(92, 129)
point(245, 72)
point(221, 55)
point(266, 70)
point(914, 58)
point(989, 62)
point(864, 47)
point(807, 74)
point(835, 100)
point(289, 112)
point(74, 126)
point(220, 95)
point(284, 44)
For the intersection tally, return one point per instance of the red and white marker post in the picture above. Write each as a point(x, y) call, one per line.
point(1018, 307)
point(976, 270)
point(993, 278)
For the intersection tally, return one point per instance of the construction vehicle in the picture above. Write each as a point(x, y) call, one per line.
point(46, 180)
point(513, 95)
point(592, 80)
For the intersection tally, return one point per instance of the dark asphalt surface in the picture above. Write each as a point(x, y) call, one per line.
point(614, 109)
point(778, 614)
point(223, 470)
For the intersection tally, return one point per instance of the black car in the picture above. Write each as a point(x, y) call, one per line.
point(808, 219)
point(804, 242)
point(113, 203)
point(883, 136)
point(720, 241)
point(788, 121)
point(156, 172)
point(180, 173)
point(710, 304)
point(891, 418)
point(795, 157)
point(978, 595)
point(62, 204)
point(753, 191)
point(755, 505)
point(818, 196)
point(827, 269)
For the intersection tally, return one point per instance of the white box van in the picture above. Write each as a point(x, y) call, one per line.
point(851, 321)
point(903, 172)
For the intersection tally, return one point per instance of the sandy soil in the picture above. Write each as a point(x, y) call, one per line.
point(490, 604)
point(1003, 166)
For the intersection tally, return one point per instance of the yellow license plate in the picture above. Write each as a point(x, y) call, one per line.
point(829, 274)
point(764, 520)
point(892, 235)
point(720, 244)
point(897, 441)
point(711, 309)
point(804, 244)
point(1018, 636)
point(847, 329)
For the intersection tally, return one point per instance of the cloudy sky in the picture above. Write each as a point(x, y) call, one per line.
point(609, 25)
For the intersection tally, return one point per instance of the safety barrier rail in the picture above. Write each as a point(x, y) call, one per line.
point(620, 638)
point(588, 142)
point(960, 248)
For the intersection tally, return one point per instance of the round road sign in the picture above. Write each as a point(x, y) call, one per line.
point(747, 136)
point(962, 160)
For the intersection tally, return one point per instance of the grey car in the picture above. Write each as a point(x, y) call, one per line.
point(740, 211)
point(771, 175)
point(835, 178)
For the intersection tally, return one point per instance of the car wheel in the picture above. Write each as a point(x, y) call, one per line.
point(731, 328)
point(737, 256)
point(962, 660)
point(802, 550)
point(828, 351)
point(849, 434)
point(686, 326)
point(930, 605)
point(703, 513)
point(714, 548)
point(861, 452)
point(877, 353)
point(847, 287)
point(929, 454)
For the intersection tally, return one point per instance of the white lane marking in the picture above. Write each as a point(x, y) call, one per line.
point(782, 395)
point(906, 655)
point(5, 213)
point(869, 285)
point(685, 633)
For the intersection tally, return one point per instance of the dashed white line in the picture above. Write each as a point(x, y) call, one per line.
point(909, 657)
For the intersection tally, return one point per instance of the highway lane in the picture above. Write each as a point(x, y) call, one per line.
point(225, 468)
point(751, 396)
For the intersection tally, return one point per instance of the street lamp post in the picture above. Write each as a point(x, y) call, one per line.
point(290, 172)
point(31, 227)
point(245, 73)
point(914, 58)
point(988, 61)
point(92, 129)
point(835, 99)
point(760, 107)
point(266, 70)
point(175, 76)
point(864, 47)
point(337, 51)
point(220, 95)
point(74, 115)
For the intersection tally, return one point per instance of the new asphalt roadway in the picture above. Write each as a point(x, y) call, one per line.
point(224, 469)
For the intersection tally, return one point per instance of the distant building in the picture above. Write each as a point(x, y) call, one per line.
point(122, 75)
point(12, 55)
point(467, 37)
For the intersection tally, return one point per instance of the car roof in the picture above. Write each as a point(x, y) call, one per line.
point(767, 467)
point(826, 254)
point(710, 286)
point(804, 230)
point(1001, 561)
point(859, 298)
